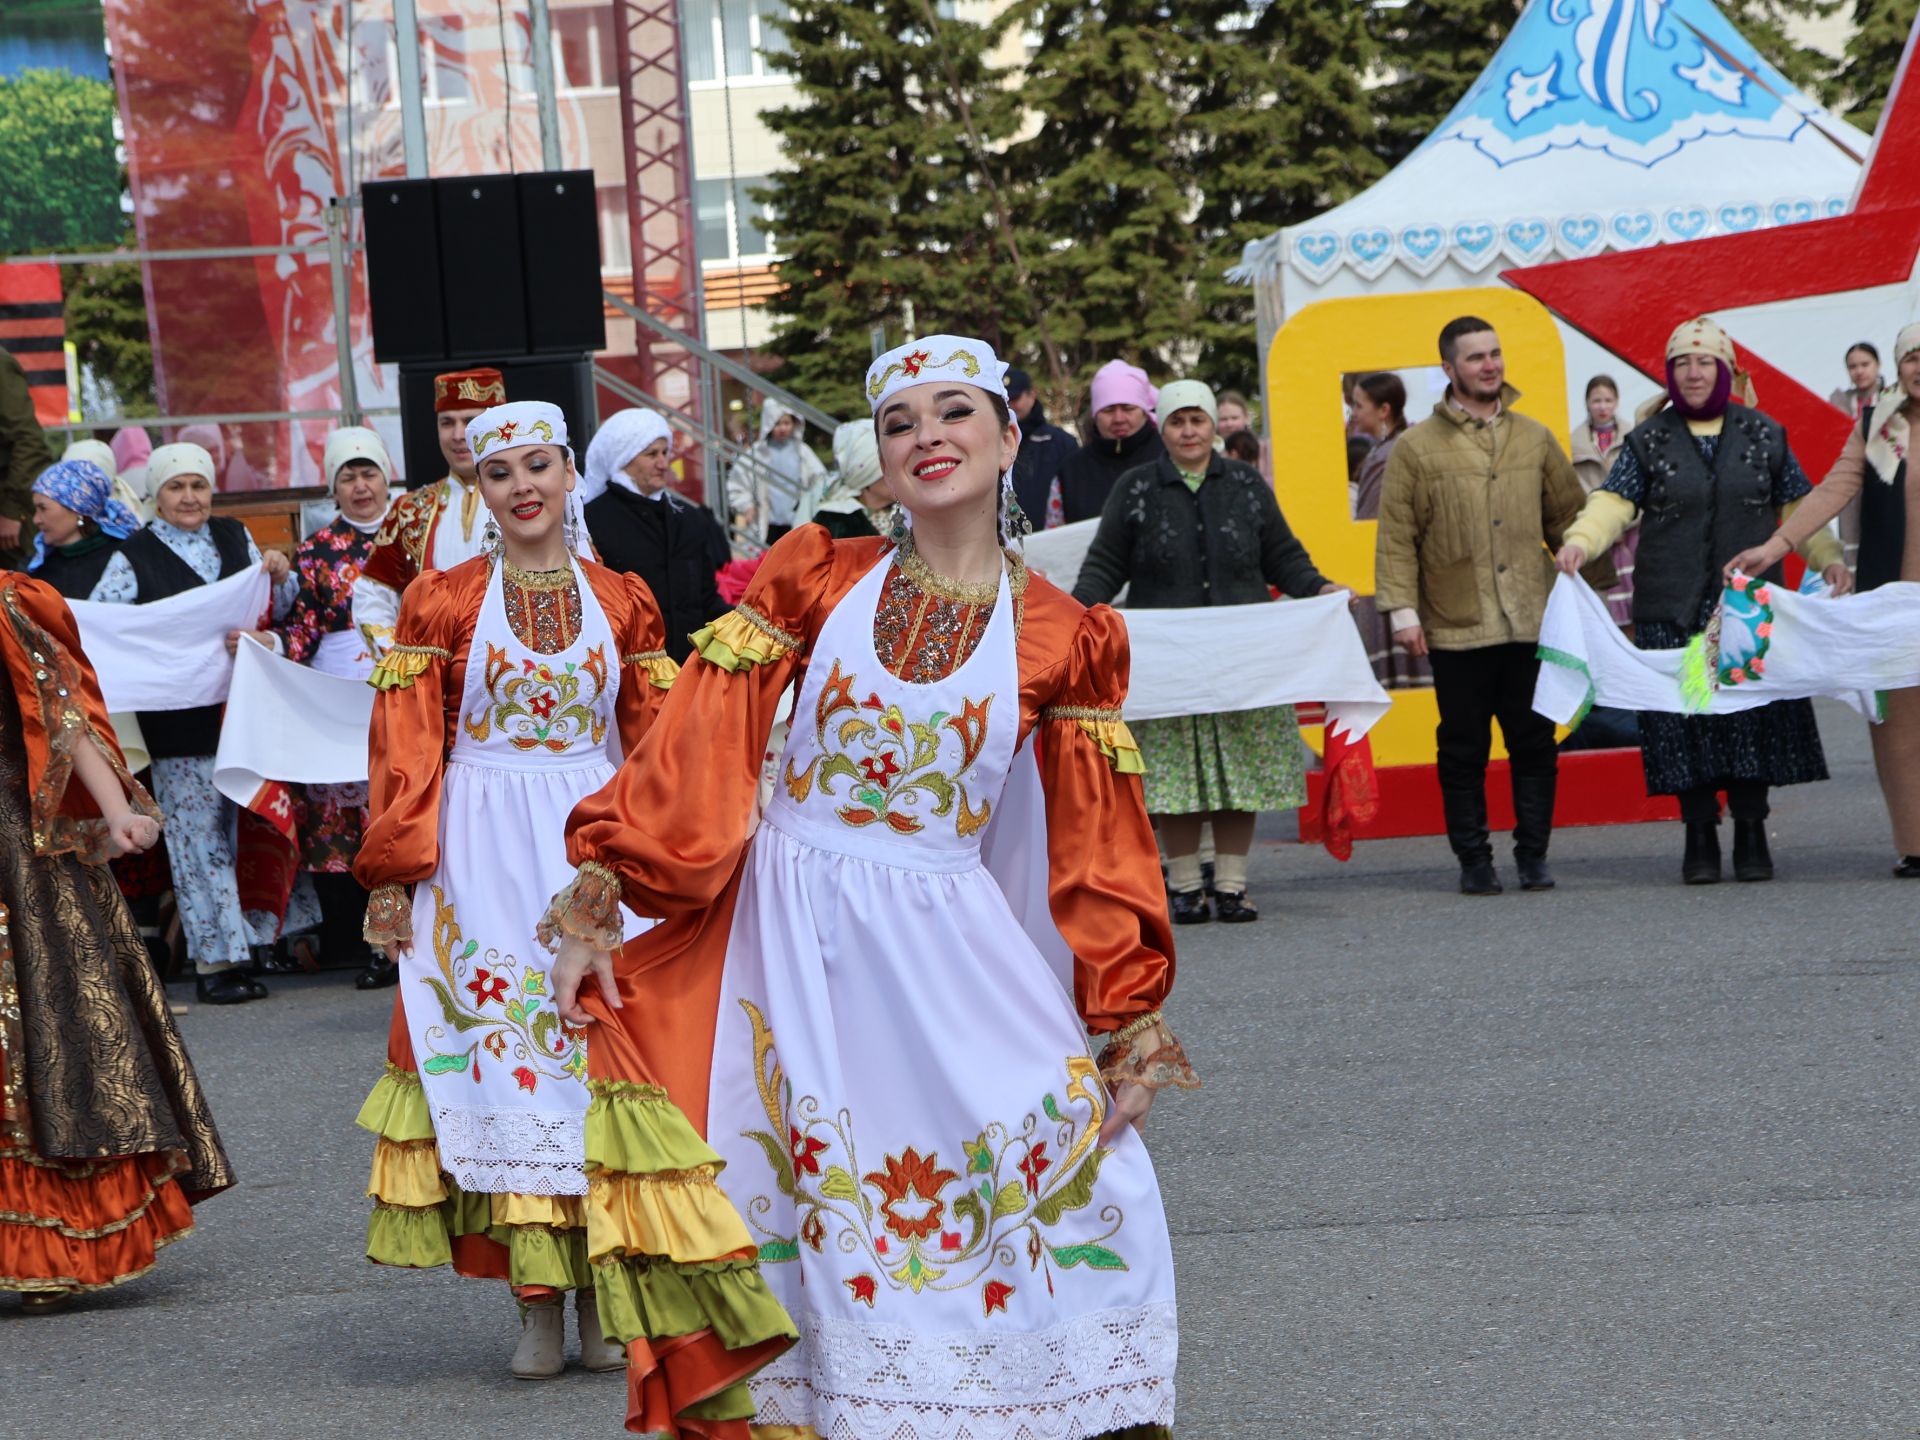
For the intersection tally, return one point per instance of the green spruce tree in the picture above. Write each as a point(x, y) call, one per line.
point(1766, 24)
point(1430, 52)
point(887, 212)
point(1859, 86)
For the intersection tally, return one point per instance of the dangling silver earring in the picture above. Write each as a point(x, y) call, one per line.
point(490, 538)
point(572, 530)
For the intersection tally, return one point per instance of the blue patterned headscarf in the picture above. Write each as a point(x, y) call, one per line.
point(84, 488)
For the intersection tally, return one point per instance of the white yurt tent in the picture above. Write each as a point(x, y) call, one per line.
point(1600, 125)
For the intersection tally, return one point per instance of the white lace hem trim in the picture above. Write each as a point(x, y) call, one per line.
point(1097, 1372)
point(526, 1151)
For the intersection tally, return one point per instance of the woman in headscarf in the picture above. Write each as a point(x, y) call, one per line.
point(187, 545)
point(1708, 477)
point(767, 482)
point(854, 500)
point(81, 525)
point(318, 631)
point(843, 1001)
point(642, 526)
point(132, 449)
point(105, 1136)
point(1873, 471)
point(511, 677)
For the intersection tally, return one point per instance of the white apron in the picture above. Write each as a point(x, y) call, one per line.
point(343, 653)
point(504, 1078)
point(902, 1090)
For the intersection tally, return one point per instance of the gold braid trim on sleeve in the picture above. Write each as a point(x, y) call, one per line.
point(659, 668)
point(741, 638)
point(389, 917)
point(1107, 730)
point(588, 910)
point(403, 664)
point(1145, 1052)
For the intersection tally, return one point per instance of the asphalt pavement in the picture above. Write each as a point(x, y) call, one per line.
point(1626, 1159)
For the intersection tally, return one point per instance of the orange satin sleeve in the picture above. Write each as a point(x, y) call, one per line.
point(646, 672)
point(407, 743)
point(672, 824)
point(1106, 897)
point(42, 605)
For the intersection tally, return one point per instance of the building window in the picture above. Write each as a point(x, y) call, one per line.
point(733, 39)
point(729, 228)
point(583, 53)
point(443, 59)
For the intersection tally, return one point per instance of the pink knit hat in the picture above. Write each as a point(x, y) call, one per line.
point(1118, 383)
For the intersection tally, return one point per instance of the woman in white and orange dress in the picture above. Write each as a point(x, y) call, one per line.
point(891, 1066)
point(513, 679)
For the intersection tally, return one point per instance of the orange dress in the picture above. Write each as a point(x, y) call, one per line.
point(421, 1217)
point(105, 1135)
point(670, 837)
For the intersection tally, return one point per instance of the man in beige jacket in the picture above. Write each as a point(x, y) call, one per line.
point(1475, 497)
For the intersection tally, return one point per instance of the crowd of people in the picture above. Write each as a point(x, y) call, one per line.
point(691, 961)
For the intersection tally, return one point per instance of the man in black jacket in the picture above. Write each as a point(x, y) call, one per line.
point(1124, 439)
point(1044, 448)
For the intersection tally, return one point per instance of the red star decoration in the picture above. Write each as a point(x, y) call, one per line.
point(487, 987)
point(506, 431)
point(911, 365)
point(1630, 302)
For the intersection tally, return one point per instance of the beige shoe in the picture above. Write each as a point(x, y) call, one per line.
point(541, 1354)
point(597, 1352)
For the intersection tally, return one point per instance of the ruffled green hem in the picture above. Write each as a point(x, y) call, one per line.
point(636, 1130)
point(422, 1239)
point(396, 1108)
point(411, 1239)
point(658, 1300)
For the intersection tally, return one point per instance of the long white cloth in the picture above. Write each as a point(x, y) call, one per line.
point(290, 723)
point(1059, 553)
point(1245, 657)
point(171, 654)
point(1846, 649)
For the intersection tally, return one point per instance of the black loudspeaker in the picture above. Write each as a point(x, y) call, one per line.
point(482, 282)
point(403, 271)
point(563, 381)
point(560, 253)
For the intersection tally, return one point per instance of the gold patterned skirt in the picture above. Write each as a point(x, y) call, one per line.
point(105, 1135)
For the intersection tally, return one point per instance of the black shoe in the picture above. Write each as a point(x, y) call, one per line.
point(277, 959)
point(1478, 877)
point(1701, 863)
point(1534, 874)
point(1234, 909)
point(1206, 879)
point(1751, 858)
point(379, 973)
point(230, 985)
point(1908, 868)
point(1190, 907)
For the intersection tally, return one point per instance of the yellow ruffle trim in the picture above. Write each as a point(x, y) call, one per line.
point(557, 1212)
point(1110, 733)
point(783, 1432)
point(683, 1216)
point(735, 641)
point(402, 665)
point(406, 1173)
point(660, 668)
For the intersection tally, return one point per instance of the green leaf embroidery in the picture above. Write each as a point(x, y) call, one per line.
point(441, 1064)
point(1075, 1194)
point(1094, 1257)
point(1011, 1200)
point(979, 1156)
point(453, 1014)
point(772, 1252)
point(472, 945)
point(968, 1207)
point(545, 1022)
point(839, 1185)
point(1052, 1109)
point(516, 1012)
point(778, 1157)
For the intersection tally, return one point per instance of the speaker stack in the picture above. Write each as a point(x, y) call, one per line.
point(471, 270)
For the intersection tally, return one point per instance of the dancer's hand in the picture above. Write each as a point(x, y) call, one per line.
point(130, 833)
point(398, 950)
point(1570, 559)
point(1839, 579)
point(571, 967)
point(1129, 1106)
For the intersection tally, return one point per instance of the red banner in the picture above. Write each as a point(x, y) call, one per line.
point(33, 331)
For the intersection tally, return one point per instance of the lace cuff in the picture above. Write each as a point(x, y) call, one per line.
point(1145, 1052)
point(389, 917)
point(588, 909)
point(1107, 730)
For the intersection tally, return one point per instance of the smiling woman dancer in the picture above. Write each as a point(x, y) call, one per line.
point(508, 675)
point(940, 1181)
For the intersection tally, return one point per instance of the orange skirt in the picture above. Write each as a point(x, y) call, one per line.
point(74, 1225)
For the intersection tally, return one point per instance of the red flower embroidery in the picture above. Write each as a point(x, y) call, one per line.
point(995, 1295)
point(486, 986)
point(949, 1239)
point(864, 1288)
point(814, 1232)
point(880, 768)
point(506, 430)
point(526, 667)
point(542, 705)
point(525, 1078)
point(1035, 1165)
point(496, 1044)
point(805, 1148)
point(911, 365)
point(910, 1180)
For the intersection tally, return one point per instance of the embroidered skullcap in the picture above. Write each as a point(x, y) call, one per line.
point(1118, 383)
point(624, 435)
point(87, 490)
point(95, 452)
point(469, 389)
point(514, 426)
point(180, 458)
point(354, 442)
point(935, 358)
point(1906, 342)
point(1186, 395)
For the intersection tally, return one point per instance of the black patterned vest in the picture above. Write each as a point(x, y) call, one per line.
point(158, 573)
point(1695, 518)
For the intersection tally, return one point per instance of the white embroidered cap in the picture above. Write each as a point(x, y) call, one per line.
point(935, 357)
point(514, 426)
point(354, 442)
point(182, 457)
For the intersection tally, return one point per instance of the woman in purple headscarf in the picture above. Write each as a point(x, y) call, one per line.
point(1709, 477)
point(81, 526)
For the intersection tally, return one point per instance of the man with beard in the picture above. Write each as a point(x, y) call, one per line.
point(1475, 498)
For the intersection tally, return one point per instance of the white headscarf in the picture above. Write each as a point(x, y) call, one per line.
point(97, 452)
point(624, 435)
point(356, 442)
point(856, 465)
point(180, 458)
